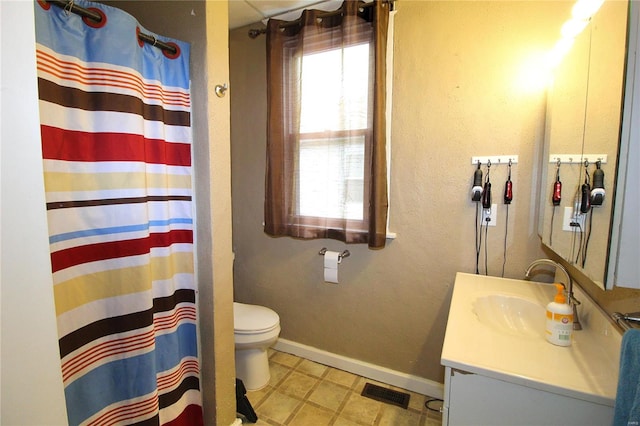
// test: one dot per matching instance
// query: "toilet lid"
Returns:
(253, 318)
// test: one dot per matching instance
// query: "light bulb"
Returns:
(585, 9)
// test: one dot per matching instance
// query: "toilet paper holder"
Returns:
(341, 256)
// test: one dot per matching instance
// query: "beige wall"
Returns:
(218, 305)
(454, 96)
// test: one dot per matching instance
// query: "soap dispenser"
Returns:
(559, 319)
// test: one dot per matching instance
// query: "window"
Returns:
(333, 127)
(326, 160)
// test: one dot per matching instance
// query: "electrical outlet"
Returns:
(570, 218)
(491, 214)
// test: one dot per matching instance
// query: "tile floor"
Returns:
(302, 392)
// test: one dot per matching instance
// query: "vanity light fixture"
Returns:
(581, 14)
(537, 73)
(585, 9)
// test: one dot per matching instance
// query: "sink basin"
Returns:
(510, 314)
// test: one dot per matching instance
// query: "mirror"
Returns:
(584, 108)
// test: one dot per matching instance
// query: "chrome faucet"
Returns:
(573, 302)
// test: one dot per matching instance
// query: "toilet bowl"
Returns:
(256, 328)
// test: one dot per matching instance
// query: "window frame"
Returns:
(294, 61)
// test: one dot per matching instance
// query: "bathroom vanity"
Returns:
(500, 370)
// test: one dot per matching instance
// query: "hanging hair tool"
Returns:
(585, 189)
(596, 198)
(476, 196)
(486, 206)
(597, 193)
(508, 197)
(476, 190)
(577, 224)
(508, 187)
(486, 192)
(581, 212)
(478, 245)
(557, 187)
(481, 196)
(556, 198)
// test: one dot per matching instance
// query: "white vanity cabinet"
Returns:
(500, 370)
(473, 399)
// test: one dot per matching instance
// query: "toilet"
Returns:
(256, 328)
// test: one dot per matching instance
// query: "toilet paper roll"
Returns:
(331, 261)
(331, 275)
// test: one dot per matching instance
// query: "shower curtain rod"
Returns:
(255, 32)
(70, 6)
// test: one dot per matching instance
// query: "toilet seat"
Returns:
(253, 319)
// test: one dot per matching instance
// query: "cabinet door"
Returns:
(479, 400)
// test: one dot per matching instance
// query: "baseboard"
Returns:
(364, 369)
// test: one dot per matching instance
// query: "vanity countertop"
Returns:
(587, 370)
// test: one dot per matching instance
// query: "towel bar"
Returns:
(625, 320)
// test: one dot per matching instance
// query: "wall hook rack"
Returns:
(494, 160)
(577, 158)
(341, 256)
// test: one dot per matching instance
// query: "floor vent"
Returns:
(389, 396)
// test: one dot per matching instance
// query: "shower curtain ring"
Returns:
(155, 40)
(68, 8)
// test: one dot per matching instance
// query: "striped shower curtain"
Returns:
(116, 145)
